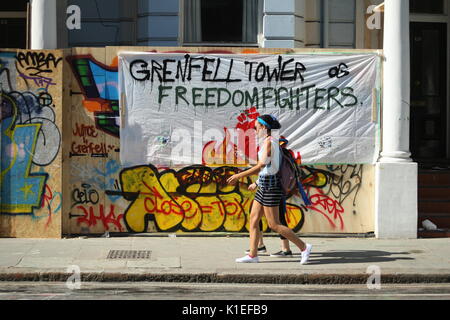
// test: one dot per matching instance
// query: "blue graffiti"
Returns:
(21, 191)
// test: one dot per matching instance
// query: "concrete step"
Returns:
(441, 233)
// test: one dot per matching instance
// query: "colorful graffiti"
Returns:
(193, 199)
(329, 188)
(30, 137)
(21, 190)
(34, 65)
(88, 217)
(197, 199)
(95, 178)
(99, 85)
(104, 196)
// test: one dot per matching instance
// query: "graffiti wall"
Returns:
(61, 171)
(31, 142)
(105, 195)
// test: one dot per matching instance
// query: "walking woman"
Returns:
(269, 193)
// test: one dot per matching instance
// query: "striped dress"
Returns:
(269, 191)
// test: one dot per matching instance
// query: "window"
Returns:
(13, 24)
(13, 33)
(16, 5)
(428, 6)
(221, 21)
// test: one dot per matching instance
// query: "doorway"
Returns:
(429, 110)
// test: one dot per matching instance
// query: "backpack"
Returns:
(290, 176)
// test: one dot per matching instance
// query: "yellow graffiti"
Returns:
(152, 199)
(192, 199)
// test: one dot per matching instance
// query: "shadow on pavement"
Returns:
(348, 256)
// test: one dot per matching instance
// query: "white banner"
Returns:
(184, 109)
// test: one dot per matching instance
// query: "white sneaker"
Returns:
(247, 259)
(305, 254)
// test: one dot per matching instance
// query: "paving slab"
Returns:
(173, 262)
(42, 263)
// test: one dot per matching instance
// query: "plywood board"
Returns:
(31, 204)
(343, 196)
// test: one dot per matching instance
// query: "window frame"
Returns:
(19, 15)
(256, 44)
(13, 14)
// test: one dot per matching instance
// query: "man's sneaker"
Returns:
(247, 259)
(305, 254)
(260, 250)
(282, 254)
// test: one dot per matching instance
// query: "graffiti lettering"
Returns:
(90, 148)
(283, 98)
(82, 130)
(347, 180)
(195, 199)
(339, 71)
(40, 81)
(87, 195)
(210, 68)
(328, 206)
(36, 63)
(86, 146)
(329, 189)
(262, 72)
(141, 70)
(90, 219)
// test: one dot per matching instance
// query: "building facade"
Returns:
(290, 24)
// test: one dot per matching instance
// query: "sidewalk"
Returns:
(212, 259)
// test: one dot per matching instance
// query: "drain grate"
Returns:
(129, 254)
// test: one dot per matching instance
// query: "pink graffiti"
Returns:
(47, 201)
(91, 219)
(331, 209)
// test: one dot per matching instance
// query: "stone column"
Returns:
(43, 24)
(396, 109)
(396, 174)
(158, 23)
(284, 24)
